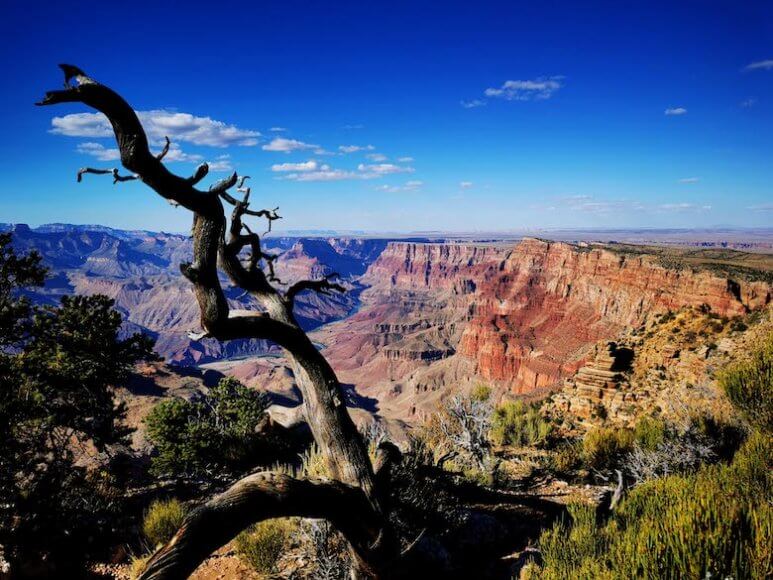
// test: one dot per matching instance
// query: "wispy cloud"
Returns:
(377, 157)
(762, 207)
(305, 172)
(384, 168)
(748, 103)
(405, 159)
(323, 173)
(472, 103)
(355, 148)
(278, 129)
(690, 180)
(98, 151)
(353, 127)
(412, 185)
(760, 65)
(519, 90)
(675, 111)
(465, 184)
(682, 207)
(181, 127)
(309, 165)
(285, 145)
(222, 163)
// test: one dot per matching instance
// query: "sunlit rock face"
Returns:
(437, 318)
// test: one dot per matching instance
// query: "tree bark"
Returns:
(354, 496)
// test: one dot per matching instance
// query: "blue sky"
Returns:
(405, 116)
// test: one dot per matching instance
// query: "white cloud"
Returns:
(377, 157)
(412, 185)
(287, 145)
(102, 153)
(683, 207)
(354, 127)
(749, 103)
(384, 168)
(761, 207)
(690, 180)
(158, 124)
(222, 163)
(674, 111)
(355, 148)
(307, 172)
(324, 173)
(309, 165)
(538, 89)
(465, 184)
(99, 151)
(760, 65)
(278, 129)
(589, 204)
(404, 159)
(472, 103)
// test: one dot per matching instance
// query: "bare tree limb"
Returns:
(165, 150)
(257, 497)
(114, 171)
(323, 286)
(201, 173)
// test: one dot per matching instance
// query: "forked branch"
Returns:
(323, 286)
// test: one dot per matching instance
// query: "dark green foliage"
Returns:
(16, 273)
(749, 386)
(58, 366)
(215, 433)
(72, 361)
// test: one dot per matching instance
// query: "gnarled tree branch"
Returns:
(323, 397)
(258, 497)
(323, 286)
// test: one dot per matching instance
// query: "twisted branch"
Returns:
(114, 171)
(323, 286)
(165, 150)
(323, 397)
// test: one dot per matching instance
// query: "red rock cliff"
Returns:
(526, 315)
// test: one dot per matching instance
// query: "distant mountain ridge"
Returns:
(140, 270)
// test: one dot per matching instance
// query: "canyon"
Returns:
(423, 318)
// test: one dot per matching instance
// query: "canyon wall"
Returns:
(438, 317)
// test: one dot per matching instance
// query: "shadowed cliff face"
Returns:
(140, 271)
(439, 317)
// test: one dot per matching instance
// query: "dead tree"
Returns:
(354, 501)
(365, 502)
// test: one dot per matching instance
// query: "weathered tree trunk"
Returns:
(353, 503)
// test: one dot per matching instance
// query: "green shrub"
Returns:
(162, 520)
(218, 431)
(262, 544)
(515, 423)
(137, 566)
(717, 522)
(481, 393)
(567, 457)
(749, 386)
(604, 448)
(649, 433)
